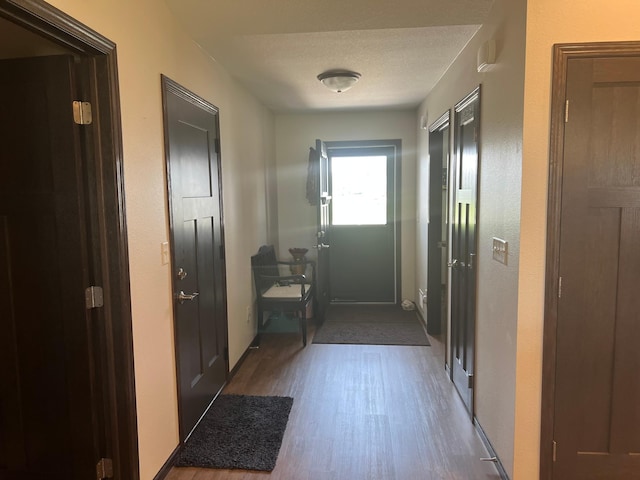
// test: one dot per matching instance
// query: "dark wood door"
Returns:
(437, 234)
(597, 377)
(323, 234)
(193, 164)
(48, 385)
(363, 266)
(464, 215)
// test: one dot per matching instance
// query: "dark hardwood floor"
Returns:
(360, 412)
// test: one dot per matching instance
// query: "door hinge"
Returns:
(475, 134)
(566, 111)
(94, 297)
(555, 450)
(469, 380)
(82, 113)
(559, 287)
(222, 252)
(226, 354)
(217, 143)
(104, 469)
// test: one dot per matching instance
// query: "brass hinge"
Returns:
(566, 111)
(469, 380)
(555, 450)
(104, 468)
(94, 297)
(82, 113)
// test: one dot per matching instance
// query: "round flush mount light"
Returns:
(339, 80)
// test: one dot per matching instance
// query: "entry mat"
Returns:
(371, 325)
(238, 432)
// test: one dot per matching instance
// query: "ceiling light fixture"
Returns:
(339, 80)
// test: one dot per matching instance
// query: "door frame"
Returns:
(396, 145)
(434, 272)
(562, 53)
(102, 152)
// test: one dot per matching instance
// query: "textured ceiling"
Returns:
(276, 48)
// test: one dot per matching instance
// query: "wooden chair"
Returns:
(281, 293)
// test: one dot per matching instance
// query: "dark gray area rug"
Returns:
(238, 432)
(371, 325)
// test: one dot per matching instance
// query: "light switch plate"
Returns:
(500, 250)
(164, 253)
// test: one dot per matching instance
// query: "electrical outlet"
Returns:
(423, 296)
(500, 250)
(249, 313)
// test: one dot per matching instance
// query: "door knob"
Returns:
(453, 264)
(321, 246)
(183, 296)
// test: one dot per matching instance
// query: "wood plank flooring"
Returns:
(360, 412)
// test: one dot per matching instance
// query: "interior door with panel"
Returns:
(596, 405)
(464, 216)
(50, 412)
(200, 312)
(438, 225)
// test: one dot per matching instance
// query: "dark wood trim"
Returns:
(562, 53)
(397, 147)
(168, 465)
(421, 318)
(492, 453)
(443, 121)
(434, 234)
(244, 356)
(39, 17)
(110, 250)
(177, 89)
(469, 98)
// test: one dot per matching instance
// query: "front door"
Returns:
(597, 373)
(200, 315)
(323, 234)
(49, 378)
(464, 215)
(364, 260)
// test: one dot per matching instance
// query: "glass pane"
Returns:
(359, 190)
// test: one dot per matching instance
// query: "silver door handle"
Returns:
(453, 264)
(183, 296)
(321, 246)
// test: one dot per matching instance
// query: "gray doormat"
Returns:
(371, 325)
(238, 432)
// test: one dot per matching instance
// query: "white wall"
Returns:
(295, 133)
(502, 91)
(150, 42)
(548, 22)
